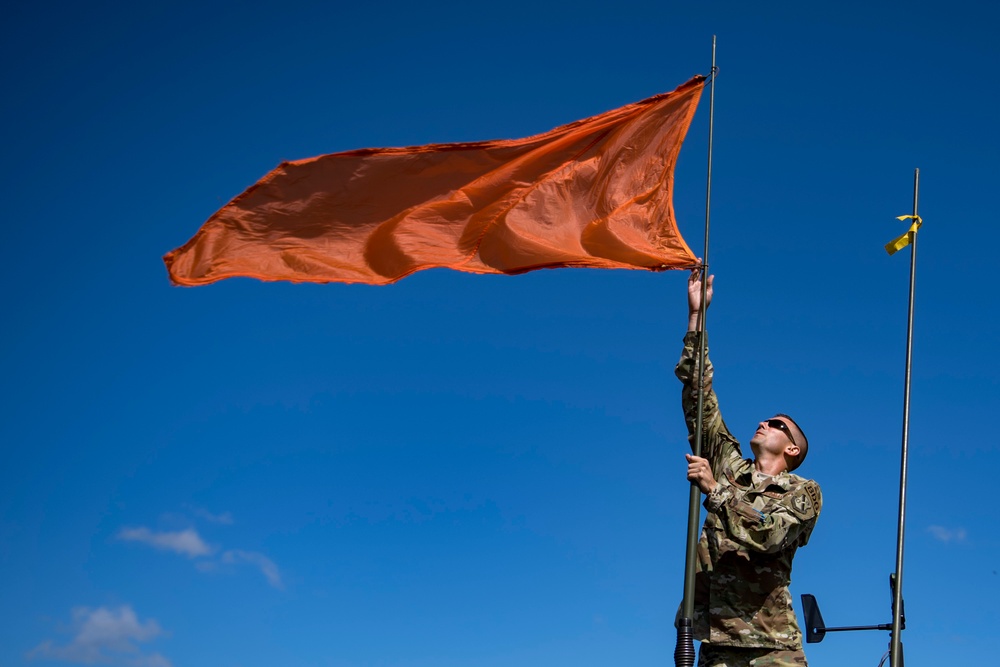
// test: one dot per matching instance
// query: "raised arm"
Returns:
(718, 444)
(694, 298)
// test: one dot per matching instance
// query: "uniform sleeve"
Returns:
(717, 444)
(784, 522)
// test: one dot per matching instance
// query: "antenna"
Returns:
(815, 628)
(684, 654)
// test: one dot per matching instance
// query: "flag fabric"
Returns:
(900, 242)
(593, 193)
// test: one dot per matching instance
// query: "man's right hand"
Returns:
(694, 297)
(700, 473)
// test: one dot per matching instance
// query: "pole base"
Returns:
(684, 655)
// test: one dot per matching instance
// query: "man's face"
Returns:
(774, 436)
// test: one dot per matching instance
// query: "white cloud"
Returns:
(186, 542)
(225, 518)
(105, 636)
(947, 534)
(189, 543)
(262, 562)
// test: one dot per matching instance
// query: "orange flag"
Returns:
(594, 193)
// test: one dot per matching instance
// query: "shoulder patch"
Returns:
(812, 488)
(799, 503)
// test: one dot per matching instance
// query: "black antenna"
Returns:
(896, 642)
(684, 655)
(815, 628)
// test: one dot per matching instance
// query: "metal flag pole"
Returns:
(684, 655)
(896, 643)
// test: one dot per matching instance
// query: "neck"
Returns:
(770, 466)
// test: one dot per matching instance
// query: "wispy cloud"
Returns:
(189, 543)
(259, 560)
(186, 542)
(225, 518)
(105, 636)
(947, 534)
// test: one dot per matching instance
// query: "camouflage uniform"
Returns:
(754, 525)
(727, 656)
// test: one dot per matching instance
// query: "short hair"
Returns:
(803, 446)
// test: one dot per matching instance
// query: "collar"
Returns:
(750, 477)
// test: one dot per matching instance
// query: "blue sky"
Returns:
(462, 470)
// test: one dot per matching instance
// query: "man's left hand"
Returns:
(700, 473)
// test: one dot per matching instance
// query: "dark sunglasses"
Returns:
(783, 427)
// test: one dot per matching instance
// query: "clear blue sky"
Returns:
(481, 471)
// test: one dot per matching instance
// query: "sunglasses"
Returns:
(783, 427)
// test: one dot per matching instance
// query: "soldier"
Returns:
(759, 513)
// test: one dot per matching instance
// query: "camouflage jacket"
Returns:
(754, 525)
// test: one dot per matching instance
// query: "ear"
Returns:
(792, 450)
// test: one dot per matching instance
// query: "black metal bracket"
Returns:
(816, 628)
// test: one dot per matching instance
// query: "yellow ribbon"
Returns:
(901, 242)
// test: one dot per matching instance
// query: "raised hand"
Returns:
(694, 297)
